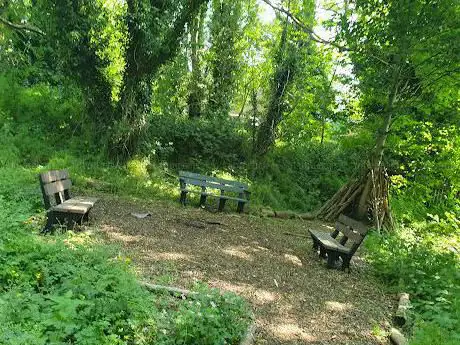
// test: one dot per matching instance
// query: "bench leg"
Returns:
(240, 207)
(183, 197)
(346, 263)
(85, 217)
(315, 243)
(50, 221)
(331, 258)
(322, 252)
(222, 204)
(72, 220)
(202, 200)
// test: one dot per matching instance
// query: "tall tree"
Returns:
(196, 87)
(292, 47)
(225, 54)
(68, 39)
(154, 33)
(403, 57)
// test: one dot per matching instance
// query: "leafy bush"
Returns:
(220, 317)
(299, 178)
(42, 118)
(424, 263)
(199, 142)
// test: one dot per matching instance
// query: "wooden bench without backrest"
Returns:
(239, 191)
(60, 206)
(334, 246)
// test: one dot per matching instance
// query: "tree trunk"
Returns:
(225, 30)
(377, 154)
(255, 113)
(195, 97)
(281, 79)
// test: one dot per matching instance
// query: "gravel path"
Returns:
(296, 299)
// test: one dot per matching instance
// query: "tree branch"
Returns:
(21, 27)
(304, 27)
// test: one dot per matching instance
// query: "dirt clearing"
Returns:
(295, 298)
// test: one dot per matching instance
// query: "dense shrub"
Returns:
(41, 118)
(425, 263)
(200, 142)
(300, 178)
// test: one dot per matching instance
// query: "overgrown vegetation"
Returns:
(125, 94)
(72, 289)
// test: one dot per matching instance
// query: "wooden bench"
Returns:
(208, 186)
(352, 233)
(60, 206)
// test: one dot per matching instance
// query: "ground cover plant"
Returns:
(70, 288)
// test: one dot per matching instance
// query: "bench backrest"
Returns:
(353, 232)
(55, 185)
(204, 182)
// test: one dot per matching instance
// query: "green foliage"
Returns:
(220, 316)
(71, 289)
(225, 55)
(197, 143)
(300, 178)
(425, 263)
(424, 162)
(39, 119)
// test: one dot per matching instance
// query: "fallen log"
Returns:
(397, 337)
(266, 212)
(403, 306)
(307, 215)
(285, 214)
(175, 291)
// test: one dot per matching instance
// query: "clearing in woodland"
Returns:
(295, 298)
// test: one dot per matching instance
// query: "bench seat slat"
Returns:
(352, 236)
(200, 183)
(54, 175)
(354, 224)
(186, 174)
(79, 205)
(329, 242)
(210, 186)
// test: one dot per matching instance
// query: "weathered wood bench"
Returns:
(208, 186)
(61, 207)
(334, 247)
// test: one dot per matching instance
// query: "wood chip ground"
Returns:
(295, 298)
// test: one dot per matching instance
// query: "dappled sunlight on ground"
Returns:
(253, 294)
(157, 256)
(290, 331)
(116, 234)
(293, 259)
(295, 299)
(337, 306)
(238, 251)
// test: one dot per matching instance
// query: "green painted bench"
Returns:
(209, 186)
(61, 207)
(332, 246)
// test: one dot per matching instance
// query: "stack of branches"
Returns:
(379, 199)
(360, 198)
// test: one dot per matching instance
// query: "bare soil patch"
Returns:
(295, 298)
